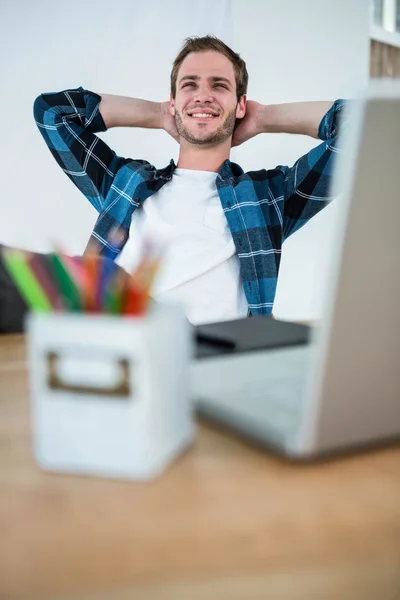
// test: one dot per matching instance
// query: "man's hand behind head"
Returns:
(250, 125)
(168, 121)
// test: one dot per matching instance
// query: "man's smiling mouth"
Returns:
(202, 116)
(199, 114)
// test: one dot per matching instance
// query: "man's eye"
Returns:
(191, 83)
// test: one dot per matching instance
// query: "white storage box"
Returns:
(110, 395)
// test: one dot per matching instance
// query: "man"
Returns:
(225, 227)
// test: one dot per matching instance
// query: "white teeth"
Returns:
(202, 115)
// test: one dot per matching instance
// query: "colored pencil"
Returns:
(30, 289)
(68, 287)
(40, 269)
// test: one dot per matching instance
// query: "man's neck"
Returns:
(203, 158)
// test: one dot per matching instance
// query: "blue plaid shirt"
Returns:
(262, 208)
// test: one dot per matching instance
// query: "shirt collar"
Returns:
(227, 170)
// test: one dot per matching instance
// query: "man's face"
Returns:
(205, 105)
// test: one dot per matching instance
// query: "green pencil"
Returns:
(25, 280)
(66, 284)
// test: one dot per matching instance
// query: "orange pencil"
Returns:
(135, 299)
(91, 265)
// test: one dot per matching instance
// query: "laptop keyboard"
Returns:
(278, 403)
(261, 396)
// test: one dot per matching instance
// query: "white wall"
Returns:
(294, 50)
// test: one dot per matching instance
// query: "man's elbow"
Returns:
(39, 108)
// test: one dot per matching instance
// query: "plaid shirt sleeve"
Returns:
(308, 183)
(68, 122)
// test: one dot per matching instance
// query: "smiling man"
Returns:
(205, 104)
(225, 227)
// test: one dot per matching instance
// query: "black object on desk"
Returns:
(13, 307)
(246, 335)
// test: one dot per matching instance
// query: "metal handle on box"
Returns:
(54, 381)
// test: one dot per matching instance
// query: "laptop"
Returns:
(338, 387)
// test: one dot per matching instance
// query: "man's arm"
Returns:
(122, 111)
(307, 185)
(304, 189)
(69, 121)
(296, 117)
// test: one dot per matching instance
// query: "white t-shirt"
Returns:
(200, 269)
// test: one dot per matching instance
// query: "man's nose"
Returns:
(204, 94)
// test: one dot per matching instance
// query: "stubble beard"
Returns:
(220, 135)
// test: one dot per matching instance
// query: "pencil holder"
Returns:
(110, 394)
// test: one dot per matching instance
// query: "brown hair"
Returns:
(212, 43)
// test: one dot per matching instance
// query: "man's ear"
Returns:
(171, 105)
(241, 107)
